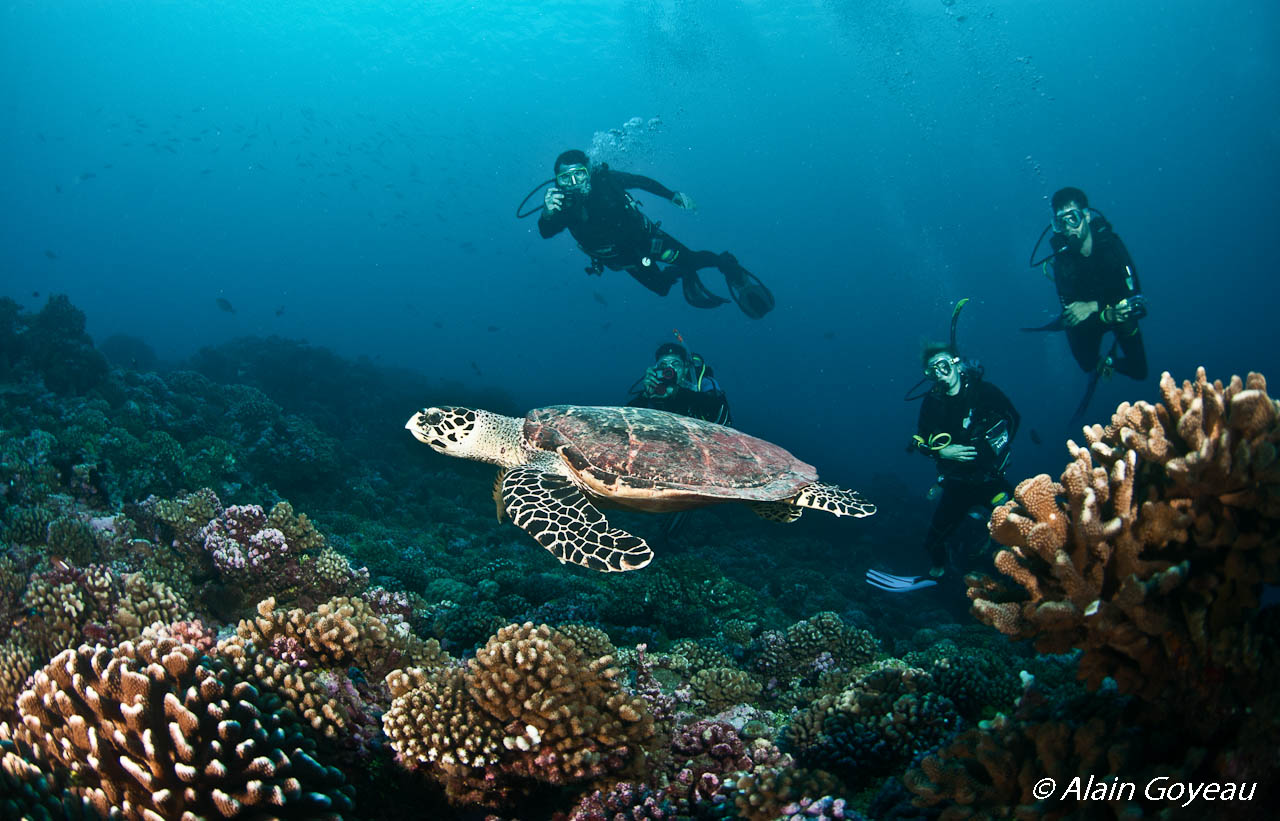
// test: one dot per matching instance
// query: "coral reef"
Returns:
(154, 730)
(874, 726)
(528, 708)
(1153, 561)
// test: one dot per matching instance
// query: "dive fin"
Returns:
(1093, 384)
(696, 294)
(751, 295)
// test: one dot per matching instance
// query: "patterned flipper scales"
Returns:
(552, 510)
(834, 500)
(783, 512)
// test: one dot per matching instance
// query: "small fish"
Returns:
(280, 311)
(1035, 437)
(604, 326)
(829, 335)
(224, 305)
(35, 294)
(599, 298)
(86, 175)
(50, 254)
(476, 368)
(493, 328)
(438, 324)
(57, 188)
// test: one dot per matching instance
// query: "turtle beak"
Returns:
(415, 425)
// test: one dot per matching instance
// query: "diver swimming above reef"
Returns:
(609, 226)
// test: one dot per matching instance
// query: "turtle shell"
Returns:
(654, 460)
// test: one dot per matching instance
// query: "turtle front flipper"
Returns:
(551, 509)
(835, 500)
(784, 512)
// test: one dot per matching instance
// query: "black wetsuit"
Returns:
(1107, 275)
(616, 235)
(981, 416)
(709, 406)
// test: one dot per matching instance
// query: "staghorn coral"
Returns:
(529, 708)
(153, 730)
(1150, 553)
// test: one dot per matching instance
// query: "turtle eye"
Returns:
(434, 418)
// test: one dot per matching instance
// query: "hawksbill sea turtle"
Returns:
(559, 462)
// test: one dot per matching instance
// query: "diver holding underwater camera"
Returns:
(593, 204)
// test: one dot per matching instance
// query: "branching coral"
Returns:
(991, 771)
(877, 724)
(339, 633)
(529, 708)
(1151, 552)
(154, 731)
(793, 661)
(277, 553)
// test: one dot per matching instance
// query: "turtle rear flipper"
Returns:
(784, 512)
(834, 500)
(551, 509)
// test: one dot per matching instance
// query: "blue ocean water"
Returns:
(347, 173)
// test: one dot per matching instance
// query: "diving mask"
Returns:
(941, 367)
(573, 176)
(1071, 218)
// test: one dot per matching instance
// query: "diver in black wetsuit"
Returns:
(967, 426)
(1098, 287)
(681, 383)
(596, 208)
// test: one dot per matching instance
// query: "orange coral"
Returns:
(1151, 552)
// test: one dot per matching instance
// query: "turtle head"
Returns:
(469, 434)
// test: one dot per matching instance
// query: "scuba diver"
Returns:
(683, 383)
(1098, 288)
(680, 382)
(966, 426)
(610, 228)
